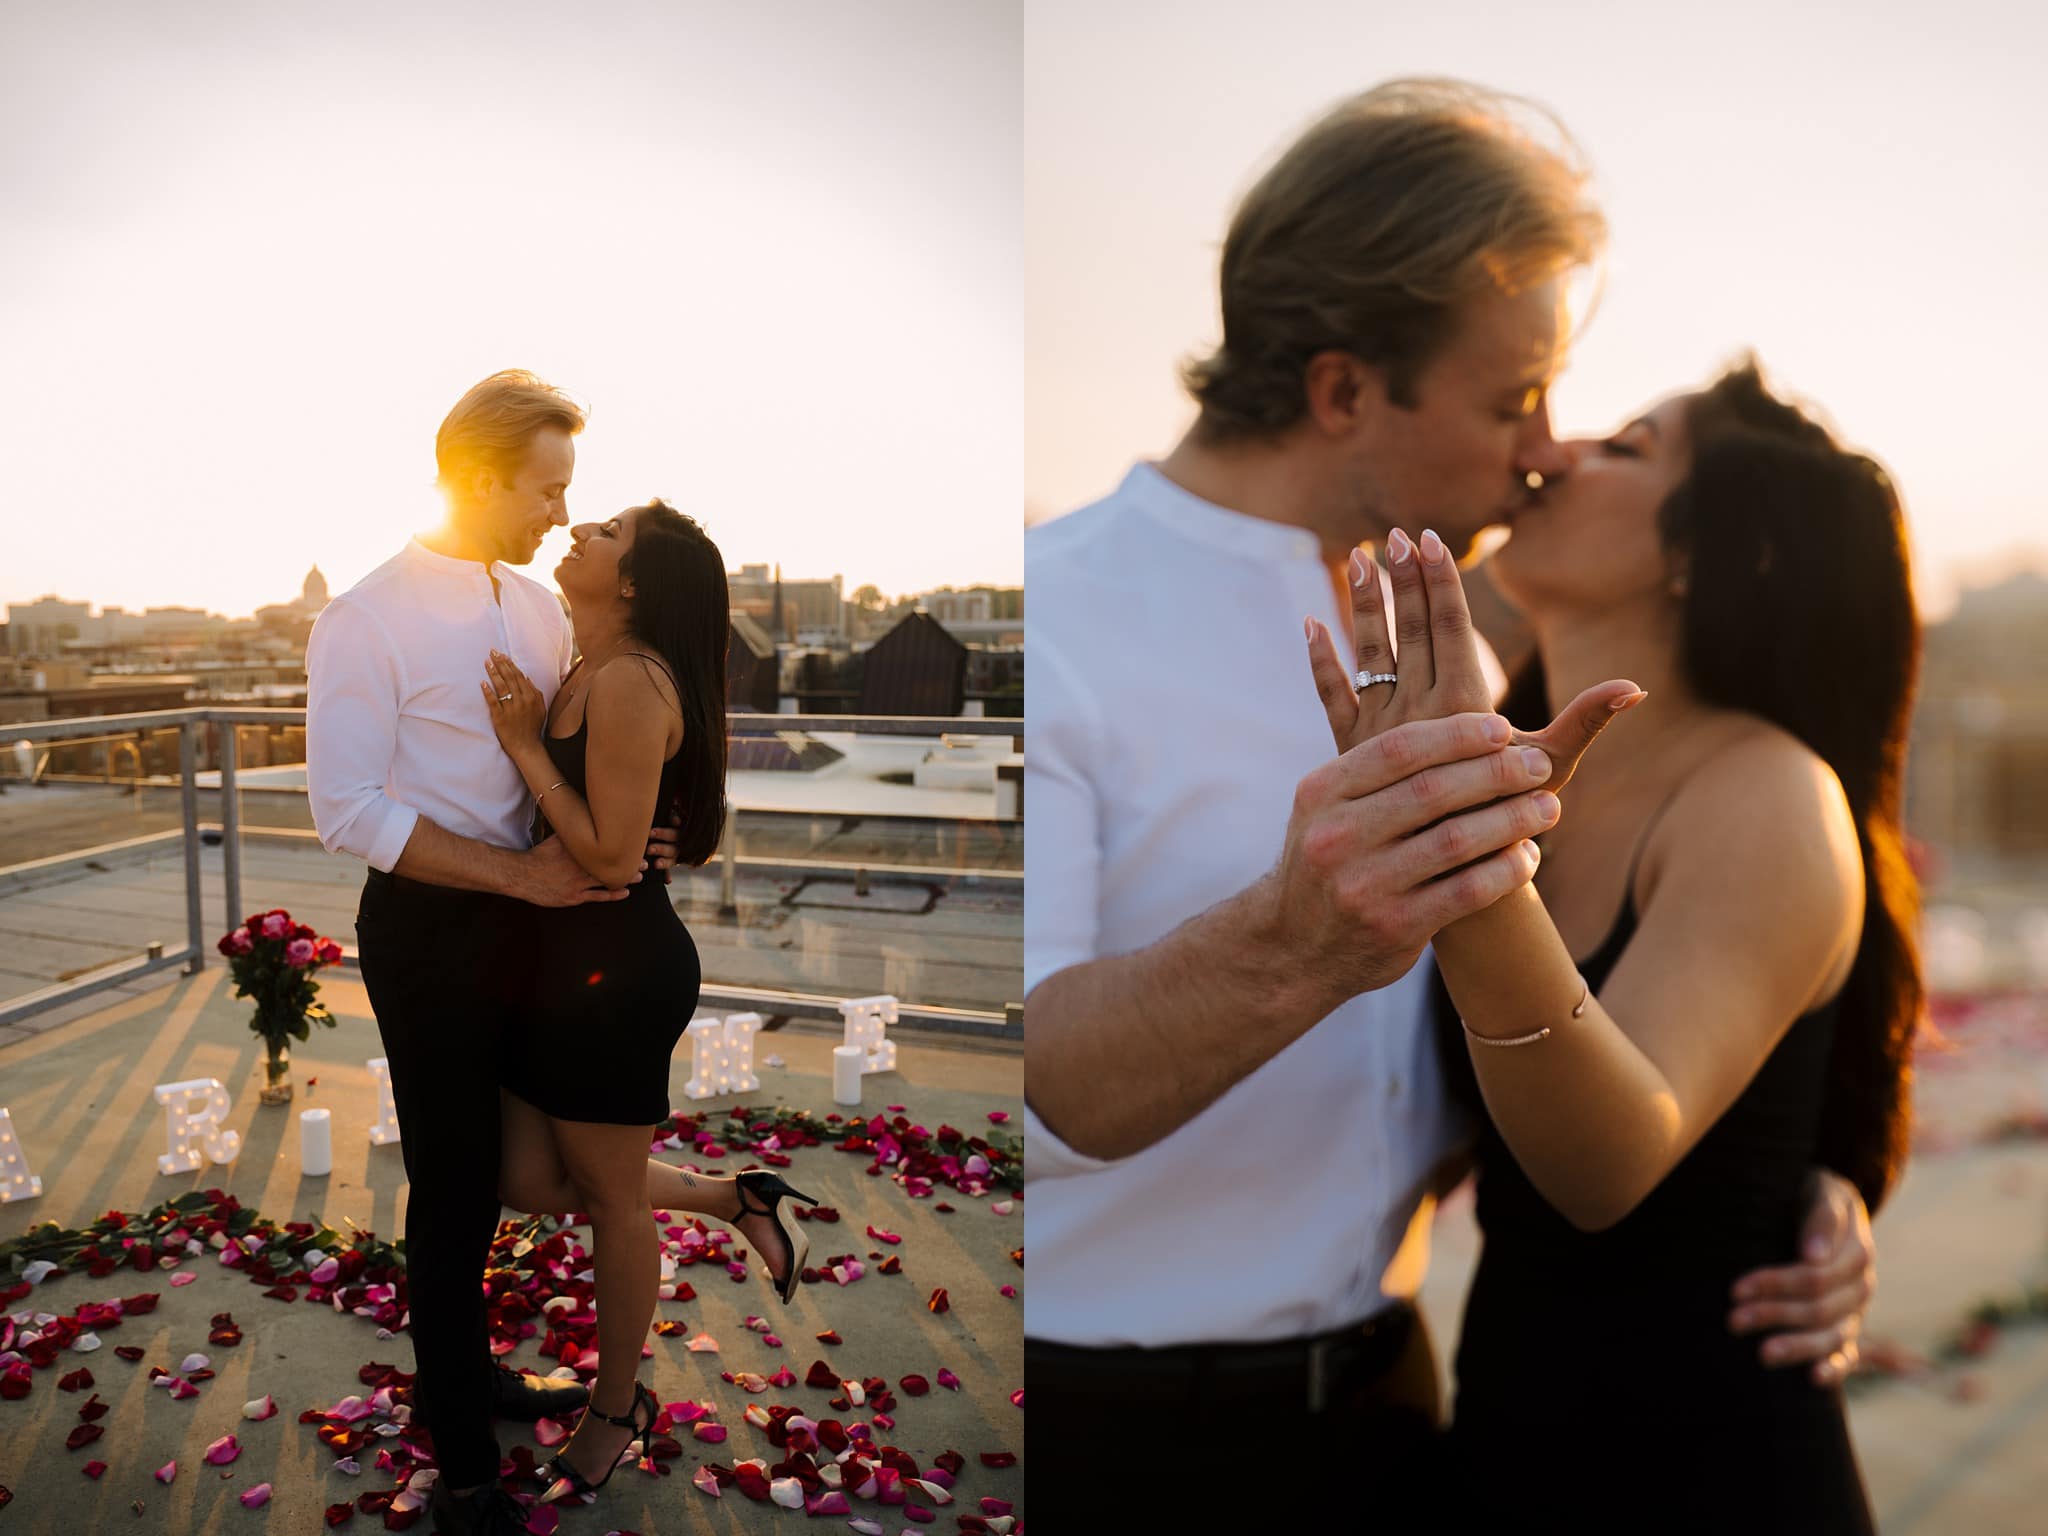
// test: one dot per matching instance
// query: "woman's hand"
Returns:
(517, 709)
(1439, 672)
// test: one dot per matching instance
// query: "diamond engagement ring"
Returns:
(504, 698)
(1364, 680)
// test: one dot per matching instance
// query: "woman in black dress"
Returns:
(598, 995)
(1711, 987)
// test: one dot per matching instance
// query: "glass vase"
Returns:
(277, 1073)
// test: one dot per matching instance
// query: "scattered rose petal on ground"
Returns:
(915, 1386)
(702, 1344)
(710, 1434)
(166, 1472)
(1017, 1398)
(257, 1497)
(223, 1451)
(940, 1301)
(707, 1480)
(193, 1363)
(93, 1469)
(82, 1435)
(185, 1277)
(549, 1432)
(1003, 1207)
(75, 1381)
(264, 1407)
(948, 1380)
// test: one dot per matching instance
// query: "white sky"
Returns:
(250, 254)
(1860, 192)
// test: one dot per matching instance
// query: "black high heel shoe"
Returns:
(758, 1181)
(562, 1479)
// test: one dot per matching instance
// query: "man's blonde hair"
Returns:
(492, 425)
(1371, 229)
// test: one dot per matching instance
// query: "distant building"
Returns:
(988, 615)
(915, 669)
(45, 625)
(752, 685)
(807, 612)
(1977, 779)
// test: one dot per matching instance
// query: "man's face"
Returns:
(1458, 461)
(516, 514)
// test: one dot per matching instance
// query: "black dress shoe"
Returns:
(489, 1511)
(525, 1396)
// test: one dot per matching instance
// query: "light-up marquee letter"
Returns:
(722, 1055)
(385, 1130)
(194, 1112)
(866, 1018)
(16, 1182)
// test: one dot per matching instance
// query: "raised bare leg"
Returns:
(607, 1165)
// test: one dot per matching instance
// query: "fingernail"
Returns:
(1535, 853)
(1816, 1248)
(1546, 805)
(1399, 550)
(1498, 730)
(1432, 547)
(1357, 569)
(1628, 701)
(1308, 630)
(1537, 761)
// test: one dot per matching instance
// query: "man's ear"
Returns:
(1344, 392)
(482, 481)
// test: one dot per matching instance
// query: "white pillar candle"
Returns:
(847, 1062)
(316, 1143)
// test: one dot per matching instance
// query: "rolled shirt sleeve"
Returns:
(354, 685)
(1063, 851)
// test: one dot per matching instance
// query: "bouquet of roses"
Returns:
(273, 960)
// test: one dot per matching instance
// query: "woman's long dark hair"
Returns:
(680, 609)
(1799, 609)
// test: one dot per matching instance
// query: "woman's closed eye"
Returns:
(1620, 447)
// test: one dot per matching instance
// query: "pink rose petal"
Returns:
(702, 1478)
(167, 1471)
(710, 1434)
(223, 1451)
(183, 1277)
(703, 1344)
(549, 1432)
(257, 1497)
(948, 1380)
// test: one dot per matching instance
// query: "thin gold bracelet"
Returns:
(1585, 996)
(549, 790)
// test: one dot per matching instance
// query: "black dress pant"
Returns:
(1115, 1433)
(427, 960)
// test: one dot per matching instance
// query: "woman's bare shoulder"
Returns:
(1761, 794)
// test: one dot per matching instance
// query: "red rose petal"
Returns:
(93, 1469)
(830, 1336)
(998, 1458)
(939, 1302)
(82, 1435)
(915, 1386)
(93, 1409)
(129, 1352)
(75, 1381)
(340, 1514)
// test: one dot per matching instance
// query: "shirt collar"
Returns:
(1235, 533)
(434, 560)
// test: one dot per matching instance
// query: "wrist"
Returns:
(1281, 979)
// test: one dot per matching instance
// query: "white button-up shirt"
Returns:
(396, 724)
(1172, 714)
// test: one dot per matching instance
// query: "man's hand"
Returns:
(1440, 672)
(551, 877)
(1385, 847)
(1814, 1309)
(661, 847)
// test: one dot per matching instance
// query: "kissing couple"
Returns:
(512, 764)
(1319, 922)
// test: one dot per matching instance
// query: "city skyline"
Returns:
(538, 568)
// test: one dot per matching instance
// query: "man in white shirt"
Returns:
(404, 770)
(1234, 1105)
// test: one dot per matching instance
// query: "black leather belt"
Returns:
(1313, 1370)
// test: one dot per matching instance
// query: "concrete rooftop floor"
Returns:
(80, 1093)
